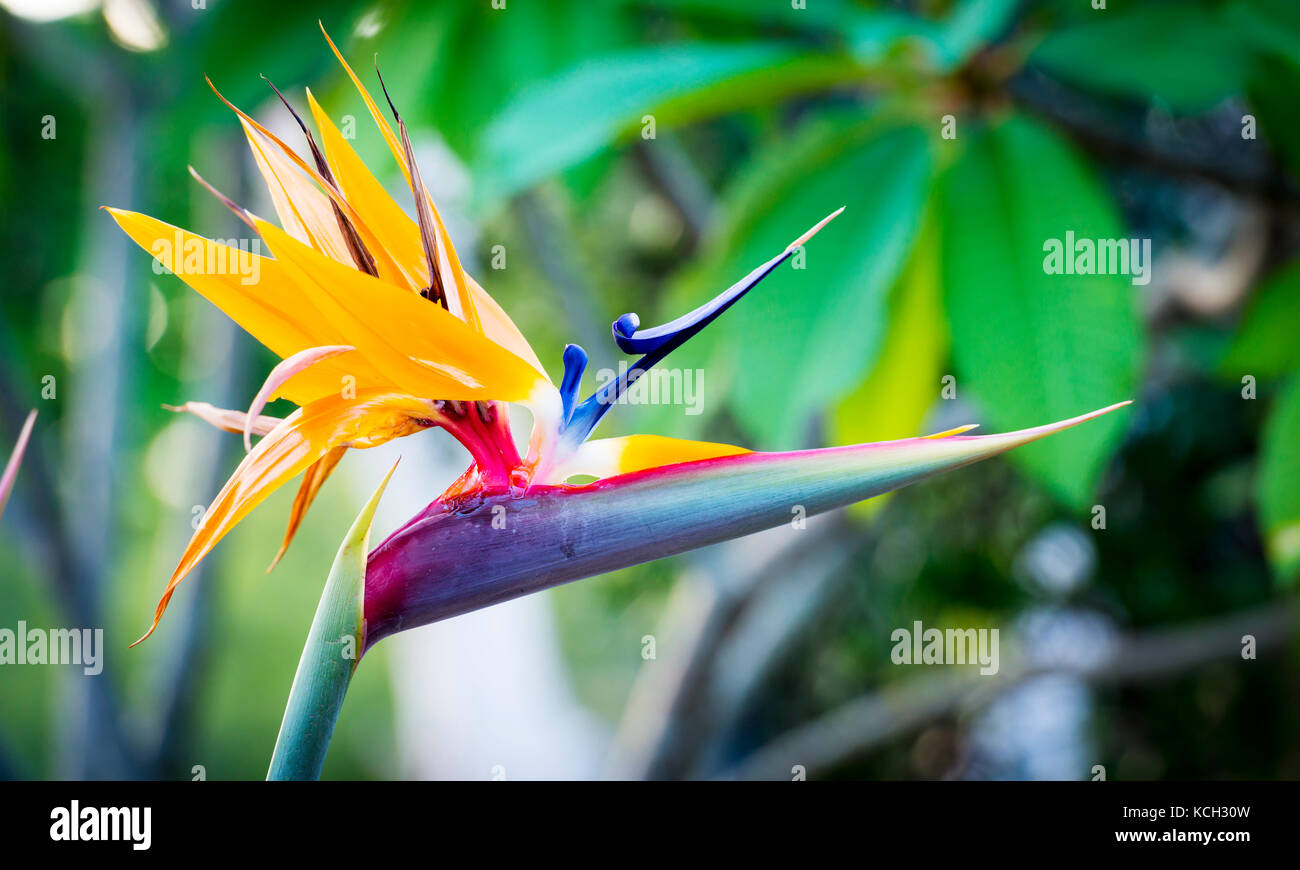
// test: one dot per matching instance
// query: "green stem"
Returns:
(328, 659)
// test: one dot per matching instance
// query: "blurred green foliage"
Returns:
(1028, 344)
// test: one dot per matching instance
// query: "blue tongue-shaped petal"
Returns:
(632, 339)
(575, 363)
(657, 342)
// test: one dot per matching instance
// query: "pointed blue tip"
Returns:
(657, 342)
(632, 339)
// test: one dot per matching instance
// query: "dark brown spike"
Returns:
(424, 217)
(357, 248)
(360, 255)
(229, 203)
(396, 116)
(322, 165)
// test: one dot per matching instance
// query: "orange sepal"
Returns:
(303, 438)
(312, 480)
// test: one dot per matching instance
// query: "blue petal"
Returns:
(658, 341)
(575, 363)
(632, 339)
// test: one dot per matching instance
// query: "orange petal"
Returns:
(948, 433)
(312, 480)
(383, 213)
(387, 269)
(450, 273)
(299, 362)
(447, 257)
(303, 438)
(607, 457)
(305, 212)
(379, 211)
(229, 421)
(273, 308)
(394, 144)
(400, 235)
(420, 346)
(449, 264)
(498, 326)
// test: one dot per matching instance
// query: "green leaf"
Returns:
(892, 401)
(876, 35)
(1180, 53)
(1278, 484)
(818, 15)
(433, 58)
(1271, 90)
(1273, 29)
(329, 658)
(804, 337)
(1269, 25)
(970, 26)
(1265, 343)
(525, 44)
(286, 43)
(1032, 345)
(559, 122)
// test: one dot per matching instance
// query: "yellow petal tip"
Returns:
(947, 433)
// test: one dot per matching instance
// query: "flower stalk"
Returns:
(329, 657)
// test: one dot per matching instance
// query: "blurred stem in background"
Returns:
(103, 379)
(668, 168)
(554, 255)
(868, 722)
(208, 334)
(678, 714)
(100, 382)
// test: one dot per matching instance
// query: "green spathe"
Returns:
(328, 658)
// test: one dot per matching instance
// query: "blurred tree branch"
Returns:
(94, 739)
(669, 169)
(872, 720)
(678, 711)
(1110, 136)
(177, 710)
(37, 488)
(555, 259)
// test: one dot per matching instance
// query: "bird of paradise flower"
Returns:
(382, 334)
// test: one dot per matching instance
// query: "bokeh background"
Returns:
(641, 156)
